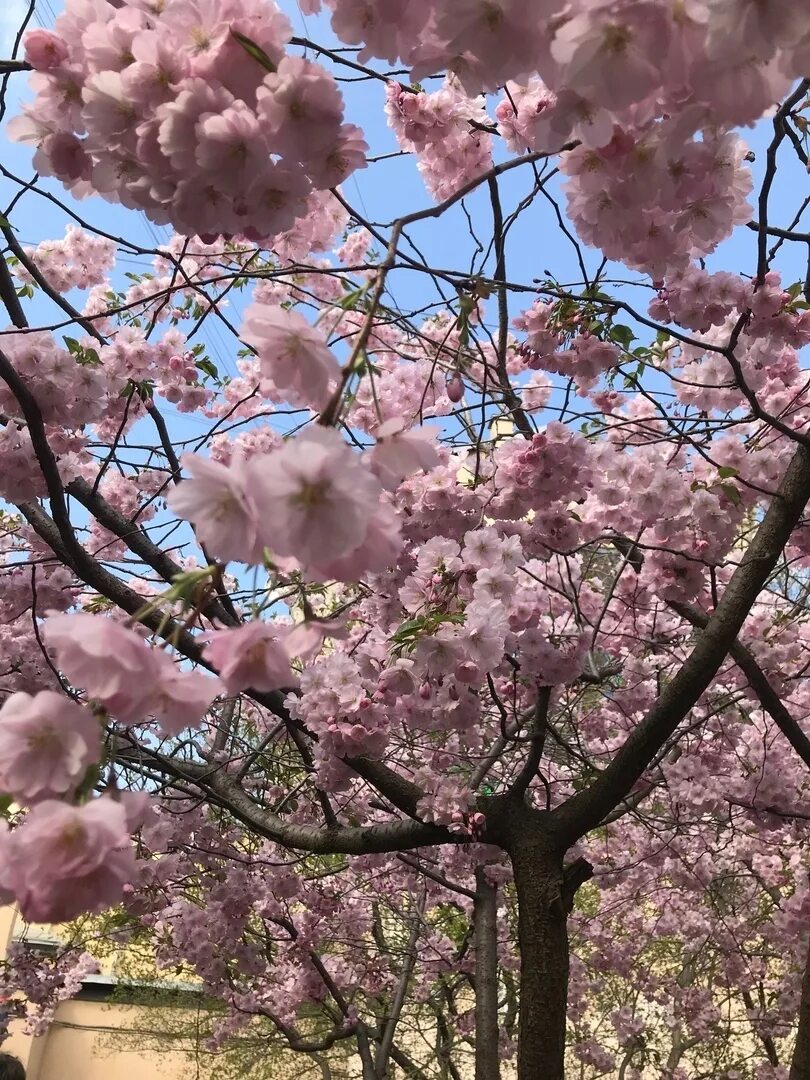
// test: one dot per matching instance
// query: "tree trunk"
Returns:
(485, 917)
(543, 939)
(800, 1066)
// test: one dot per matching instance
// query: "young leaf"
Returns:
(254, 50)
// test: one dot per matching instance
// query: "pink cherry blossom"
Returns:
(315, 498)
(379, 549)
(400, 451)
(44, 50)
(178, 119)
(302, 109)
(218, 502)
(112, 663)
(47, 743)
(292, 352)
(253, 655)
(65, 860)
(591, 46)
(180, 699)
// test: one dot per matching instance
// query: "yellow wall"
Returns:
(79, 1046)
(100, 1040)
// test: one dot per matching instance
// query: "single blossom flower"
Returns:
(216, 500)
(64, 861)
(47, 743)
(291, 351)
(180, 699)
(315, 497)
(253, 655)
(379, 549)
(44, 50)
(112, 663)
(401, 451)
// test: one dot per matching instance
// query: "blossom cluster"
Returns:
(193, 113)
(311, 503)
(448, 132)
(79, 261)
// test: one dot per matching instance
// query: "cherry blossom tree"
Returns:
(439, 634)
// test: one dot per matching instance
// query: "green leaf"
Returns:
(408, 629)
(89, 358)
(208, 367)
(88, 783)
(254, 50)
(622, 335)
(72, 345)
(349, 301)
(725, 472)
(731, 493)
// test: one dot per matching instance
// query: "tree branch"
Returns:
(584, 810)
(758, 681)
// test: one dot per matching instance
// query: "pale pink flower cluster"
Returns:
(21, 477)
(532, 475)
(599, 57)
(165, 110)
(336, 703)
(67, 391)
(311, 503)
(133, 682)
(446, 801)
(64, 861)
(656, 202)
(354, 249)
(698, 300)
(79, 261)
(440, 128)
(531, 117)
(543, 334)
(410, 389)
(584, 361)
(526, 116)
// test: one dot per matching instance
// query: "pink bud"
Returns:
(455, 387)
(44, 50)
(467, 672)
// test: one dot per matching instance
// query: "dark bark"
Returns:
(485, 917)
(545, 892)
(543, 940)
(800, 1066)
(386, 1043)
